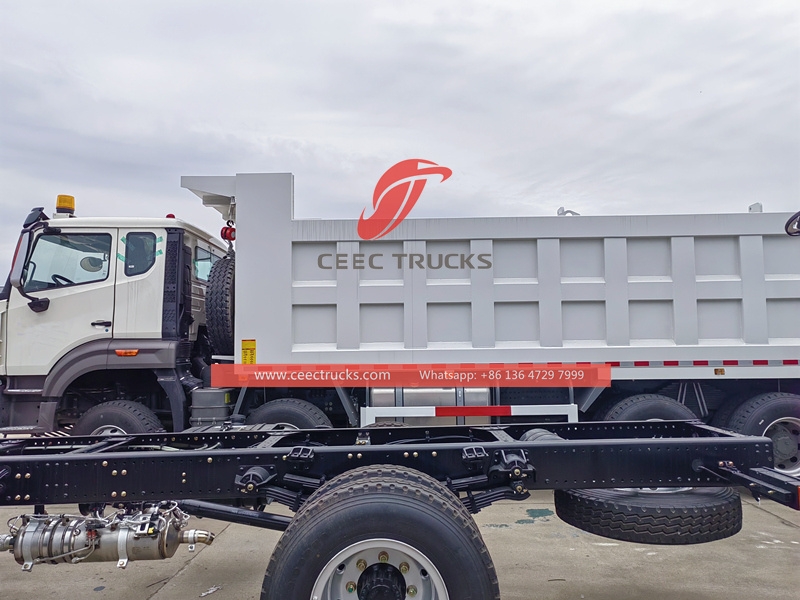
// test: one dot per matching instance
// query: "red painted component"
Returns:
(228, 234)
(473, 411)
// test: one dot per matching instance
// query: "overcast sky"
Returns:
(605, 108)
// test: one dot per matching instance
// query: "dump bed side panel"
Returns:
(520, 289)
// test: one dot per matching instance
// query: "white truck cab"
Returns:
(102, 309)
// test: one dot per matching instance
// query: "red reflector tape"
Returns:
(700, 363)
(761, 363)
(473, 411)
(791, 362)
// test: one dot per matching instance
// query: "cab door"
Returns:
(75, 269)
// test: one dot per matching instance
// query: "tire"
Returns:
(117, 417)
(220, 303)
(648, 406)
(402, 475)
(777, 416)
(299, 413)
(690, 517)
(722, 416)
(366, 512)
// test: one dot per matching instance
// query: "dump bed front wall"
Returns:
(532, 289)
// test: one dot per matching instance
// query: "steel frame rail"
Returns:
(251, 466)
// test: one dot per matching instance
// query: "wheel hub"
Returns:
(785, 436)
(381, 582)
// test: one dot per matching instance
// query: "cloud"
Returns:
(621, 107)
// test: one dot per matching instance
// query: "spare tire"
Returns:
(220, 305)
(653, 516)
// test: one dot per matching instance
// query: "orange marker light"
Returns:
(126, 352)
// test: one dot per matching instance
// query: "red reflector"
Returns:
(126, 352)
(761, 362)
(473, 411)
(641, 363)
(671, 363)
(791, 361)
(730, 363)
(170, 216)
(700, 363)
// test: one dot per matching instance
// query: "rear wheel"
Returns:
(643, 407)
(722, 416)
(378, 533)
(777, 416)
(117, 417)
(292, 411)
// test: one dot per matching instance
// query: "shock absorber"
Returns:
(152, 533)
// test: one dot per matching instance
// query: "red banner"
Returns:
(391, 375)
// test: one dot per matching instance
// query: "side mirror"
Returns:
(20, 254)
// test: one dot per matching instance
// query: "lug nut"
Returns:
(383, 557)
(361, 564)
(404, 568)
(411, 591)
(351, 587)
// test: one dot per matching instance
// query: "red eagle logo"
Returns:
(395, 195)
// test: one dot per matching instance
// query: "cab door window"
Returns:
(67, 259)
(140, 252)
(203, 261)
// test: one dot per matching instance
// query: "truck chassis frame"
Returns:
(251, 466)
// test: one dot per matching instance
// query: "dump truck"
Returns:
(384, 510)
(116, 324)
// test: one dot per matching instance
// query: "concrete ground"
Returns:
(536, 556)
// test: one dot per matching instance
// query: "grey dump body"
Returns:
(680, 289)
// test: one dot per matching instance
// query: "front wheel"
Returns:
(116, 418)
(380, 535)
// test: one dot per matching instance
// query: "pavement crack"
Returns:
(194, 555)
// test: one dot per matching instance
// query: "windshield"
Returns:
(66, 259)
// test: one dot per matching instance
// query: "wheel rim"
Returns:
(785, 436)
(109, 430)
(352, 573)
